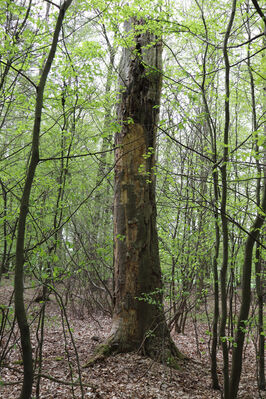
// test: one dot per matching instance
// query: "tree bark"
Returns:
(20, 311)
(138, 319)
(255, 231)
(223, 272)
(258, 258)
(3, 264)
(246, 297)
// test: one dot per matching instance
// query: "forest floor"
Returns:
(120, 376)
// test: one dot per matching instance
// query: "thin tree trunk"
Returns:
(24, 207)
(259, 290)
(212, 131)
(99, 217)
(215, 381)
(247, 270)
(224, 268)
(246, 296)
(3, 264)
(258, 258)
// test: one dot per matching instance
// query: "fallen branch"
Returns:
(58, 381)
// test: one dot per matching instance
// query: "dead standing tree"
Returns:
(138, 318)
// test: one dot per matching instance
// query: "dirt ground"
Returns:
(123, 376)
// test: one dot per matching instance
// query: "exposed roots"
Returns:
(108, 348)
(161, 350)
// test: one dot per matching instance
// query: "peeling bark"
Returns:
(138, 319)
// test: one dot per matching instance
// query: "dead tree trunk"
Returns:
(138, 319)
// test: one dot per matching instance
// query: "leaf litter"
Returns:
(121, 376)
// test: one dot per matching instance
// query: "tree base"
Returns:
(162, 351)
(101, 352)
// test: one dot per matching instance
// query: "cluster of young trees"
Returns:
(185, 109)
